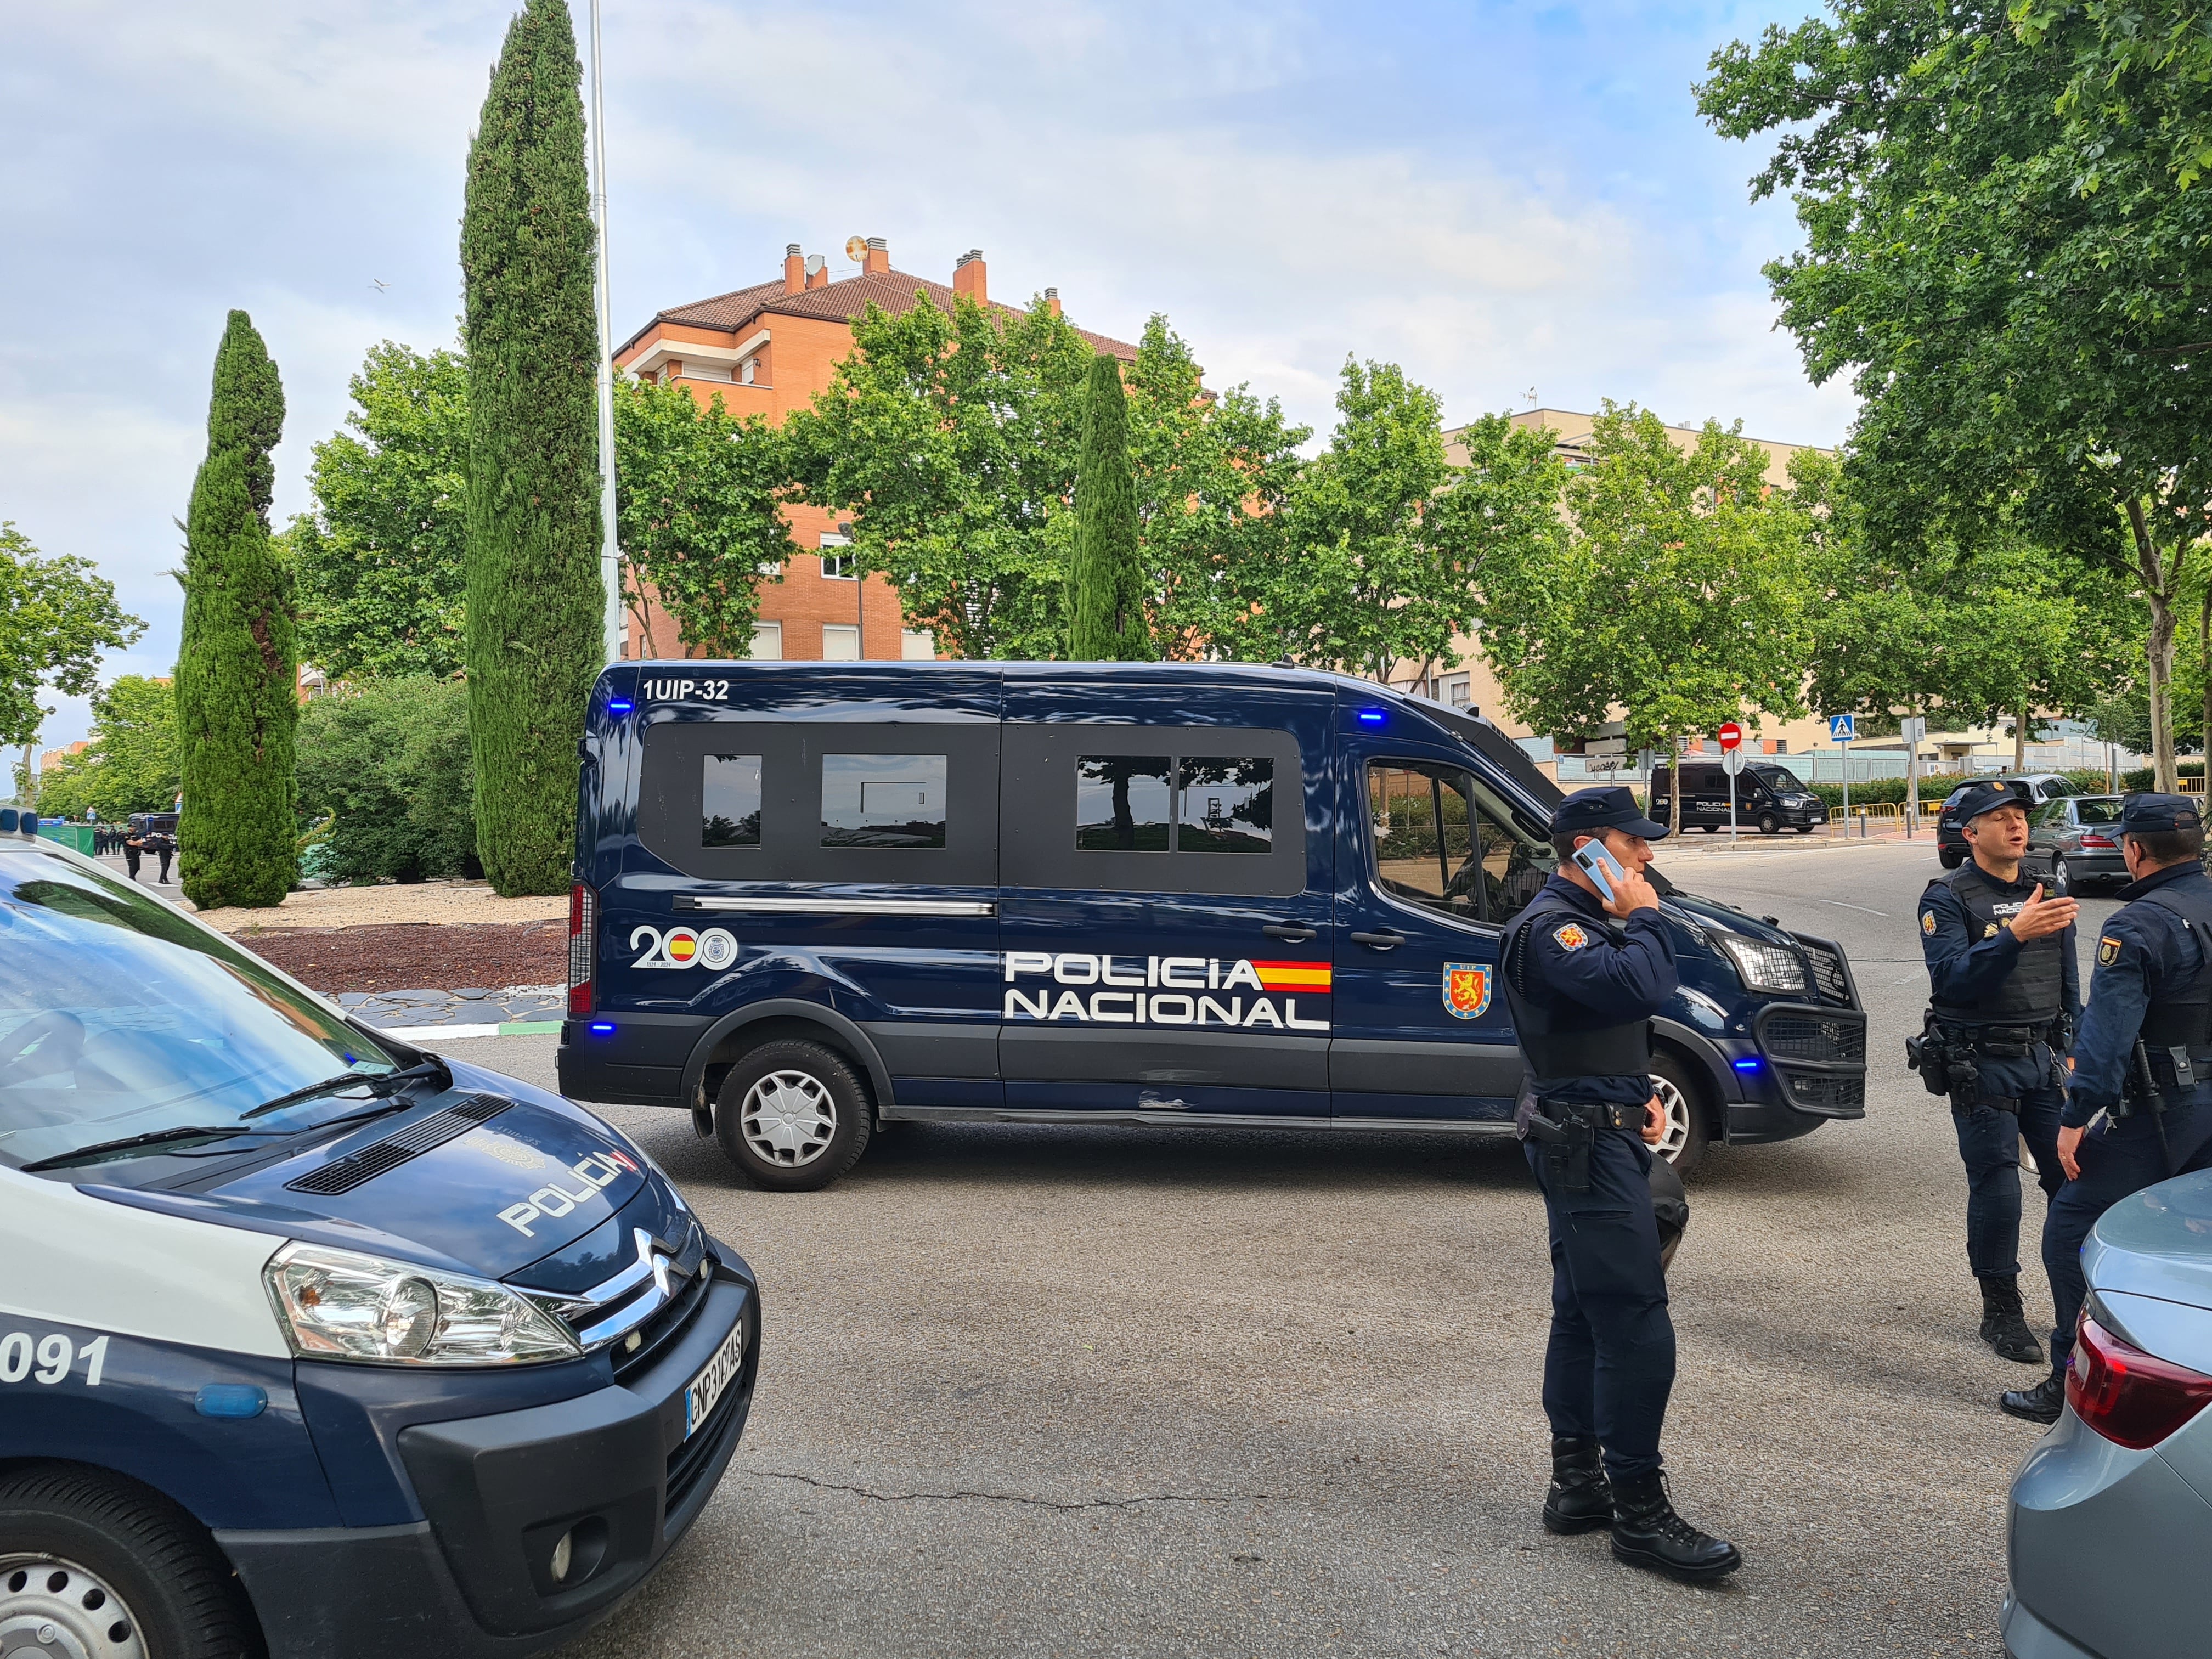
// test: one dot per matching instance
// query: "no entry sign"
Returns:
(1731, 735)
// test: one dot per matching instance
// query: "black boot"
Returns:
(2004, 1322)
(1647, 1533)
(1581, 1499)
(2040, 1404)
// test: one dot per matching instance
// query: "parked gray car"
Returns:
(2082, 833)
(2111, 1520)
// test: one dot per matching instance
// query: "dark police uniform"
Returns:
(2005, 1011)
(1582, 988)
(2152, 981)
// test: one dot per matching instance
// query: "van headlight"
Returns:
(337, 1304)
(1764, 967)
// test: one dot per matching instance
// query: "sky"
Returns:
(1508, 200)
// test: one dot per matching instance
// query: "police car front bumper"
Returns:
(613, 1470)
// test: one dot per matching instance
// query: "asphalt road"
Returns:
(1031, 1391)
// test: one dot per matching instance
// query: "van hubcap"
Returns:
(789, 1118)
(1677, 1135)
(54, 1609)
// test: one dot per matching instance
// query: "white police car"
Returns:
(310, 1342)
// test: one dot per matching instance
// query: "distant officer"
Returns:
(2007, 995)
(1583, 991)
(2143, 1059)
(134, 846)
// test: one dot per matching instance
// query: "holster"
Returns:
(1566, 1146)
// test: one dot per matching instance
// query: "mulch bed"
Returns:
(419, 956)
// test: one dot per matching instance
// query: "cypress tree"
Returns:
(237, 696)
(1106, 581)
(533, 644)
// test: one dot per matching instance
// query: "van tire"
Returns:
(1692, 1125)
(1769, 824)
(150, 1565)
(794, 1078)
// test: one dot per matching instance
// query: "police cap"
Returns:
(1611, 806)
(1981, 797)
(2155, 815)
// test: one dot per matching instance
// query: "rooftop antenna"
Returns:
(856, 249)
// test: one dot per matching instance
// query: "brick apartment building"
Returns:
(769, 349)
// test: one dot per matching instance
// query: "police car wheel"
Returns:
(92, 1567)
(793, 1116)
(1688, 1131)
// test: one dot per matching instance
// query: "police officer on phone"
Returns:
(2006, 994)
(1583, 974)
(2143, 1062)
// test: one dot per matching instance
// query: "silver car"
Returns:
(2082, 833)
(2111, 1520)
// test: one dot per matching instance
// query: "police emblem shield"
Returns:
(2108, 950)
(1467, 989)
(1571, 936)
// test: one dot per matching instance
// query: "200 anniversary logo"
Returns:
(1165, 990)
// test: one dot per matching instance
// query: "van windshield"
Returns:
(118, 1017)
(1779, 779)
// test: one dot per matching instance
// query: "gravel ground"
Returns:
(387, 903)
(1038, 1391)
(420, 956)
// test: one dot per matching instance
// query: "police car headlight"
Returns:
(1764, 967)
(336, 1304)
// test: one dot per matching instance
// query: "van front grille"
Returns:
(1806, 1036)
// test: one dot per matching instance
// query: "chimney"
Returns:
(879, 257)
(794, 268)
(817, 270)
(967, 277)
(1052, 301)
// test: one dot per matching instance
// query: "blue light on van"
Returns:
(232, 1399)
(619, 706)
(1371, 717)
(601, 1028)
(1746, 1064)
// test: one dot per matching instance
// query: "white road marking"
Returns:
(1840, 905)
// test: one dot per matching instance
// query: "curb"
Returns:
(454, 1033)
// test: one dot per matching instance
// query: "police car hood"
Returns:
(512, 1175)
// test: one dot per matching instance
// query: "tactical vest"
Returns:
(1570, 1040)
(2181, 1018)
(2033, 992)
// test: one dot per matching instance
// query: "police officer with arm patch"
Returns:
(2006, 996)
(1583, 976)
(2142, 1061)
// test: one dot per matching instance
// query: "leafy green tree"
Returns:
(2000, 250)
(379, 563)
(700, 514)
(56, 617)
(386, 761)
(237, 684)
(131, 764)
(533, 641)
(949, 442)
(1106, 580)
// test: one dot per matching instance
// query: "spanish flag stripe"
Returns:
(1292, 976)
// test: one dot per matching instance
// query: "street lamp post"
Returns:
(610, 553)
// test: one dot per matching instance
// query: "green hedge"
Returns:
(387, 763)
(2146, 777)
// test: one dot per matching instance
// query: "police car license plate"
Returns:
(714, 1377)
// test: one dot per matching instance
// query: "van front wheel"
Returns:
(793, 1116)
(1689, 1129)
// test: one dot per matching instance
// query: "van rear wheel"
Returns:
(114, 1571)
(793, 1116)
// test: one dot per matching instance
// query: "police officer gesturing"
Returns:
(2143, 1059)
(2007, 993)
(1583, 991)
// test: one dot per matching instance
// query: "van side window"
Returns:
(1121, 803)
(730, 801)
(883, 801)
(1443, 842)
(1225, 805)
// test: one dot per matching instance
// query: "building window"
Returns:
(1456, 694)
(767, 642)
(745, 372)
(840, 642)
(917, 645)
(837, 563)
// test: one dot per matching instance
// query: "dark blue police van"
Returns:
(814, 899)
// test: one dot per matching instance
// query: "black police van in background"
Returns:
(813, 899)
(1769, 798)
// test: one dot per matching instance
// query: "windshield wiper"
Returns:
(136, 1143)
(378, 1083)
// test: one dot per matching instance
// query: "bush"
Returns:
(2146, 777)
(388, 760)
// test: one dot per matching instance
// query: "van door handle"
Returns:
(1293, 932)
(1383, 941)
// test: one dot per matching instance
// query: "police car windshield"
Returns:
(118, 1017)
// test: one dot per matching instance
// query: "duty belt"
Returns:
(2000, 1042)
(1598, 1113)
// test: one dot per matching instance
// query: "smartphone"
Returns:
(1601, 866)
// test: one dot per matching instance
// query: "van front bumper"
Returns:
(613, 1469)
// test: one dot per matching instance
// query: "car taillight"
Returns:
(2131, 1398)
(2096, 841)
(583, 947)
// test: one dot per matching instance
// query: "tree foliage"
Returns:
(237, 666)
(536, 604)
(131, 763)
(386, 761)
(1107, 589)
(379, 563)
(57, 615)
(700, 514)
(1999, 250)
